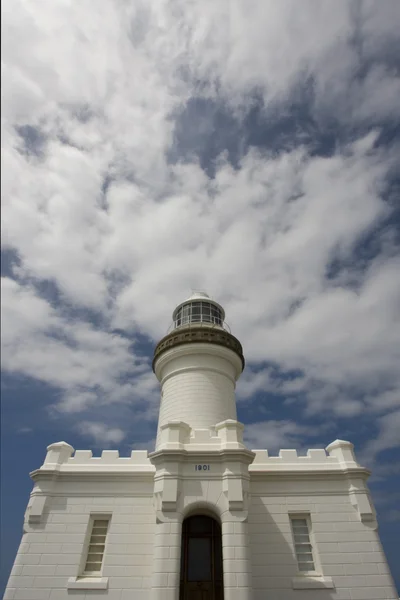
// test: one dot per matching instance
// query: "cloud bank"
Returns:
(244, 148)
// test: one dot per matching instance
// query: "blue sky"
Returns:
(247, 149)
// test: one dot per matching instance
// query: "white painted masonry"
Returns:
(197, 385)
(200, 466)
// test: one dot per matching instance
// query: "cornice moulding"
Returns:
(301, 473)
(214, 455)
(92, 473)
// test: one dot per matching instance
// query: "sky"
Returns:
(249, 149)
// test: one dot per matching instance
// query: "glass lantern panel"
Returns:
(185, 314)
(206, 311)
(196, 312)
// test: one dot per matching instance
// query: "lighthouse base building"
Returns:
(202, 517)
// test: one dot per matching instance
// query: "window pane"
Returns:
(93, 566)
(305, 557)
(301, 548)
(216, 316)
(96, 547)
(300, 522)
(300, 530)
(196, 312)
(94, 558)
(200, 524)
(302, 538)
(206, 311)
(199, 559)
(306, 566)
(97, 539)
(185, 314)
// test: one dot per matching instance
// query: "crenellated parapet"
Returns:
(215, 453)
(177, 435)
(63, 459)
(338, 456)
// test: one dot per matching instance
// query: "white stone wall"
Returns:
(178, 400)
(68, 490)
(51, 551)
(348, 552)
(148, 500)
(197, 385)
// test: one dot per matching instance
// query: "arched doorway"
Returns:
(201, 560)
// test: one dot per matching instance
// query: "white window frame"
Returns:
(92, 519)
(317, 569)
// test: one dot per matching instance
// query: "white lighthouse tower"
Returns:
(202, 517)
(202, 476)
(197, 365)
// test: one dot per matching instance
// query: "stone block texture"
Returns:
(51, 552)
(252, 495)
(197, 385)
(344, 547)
(201, 466)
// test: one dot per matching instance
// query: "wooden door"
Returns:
(201, 559)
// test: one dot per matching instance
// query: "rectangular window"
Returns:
(96, 546)
(301, 529)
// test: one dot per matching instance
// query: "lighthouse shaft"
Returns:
(197, 365)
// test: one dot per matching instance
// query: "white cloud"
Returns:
(104, 216)
(148, 445)
(272, 47)
(387, 436)
(87, 364)
(101, 433)
(275, 435)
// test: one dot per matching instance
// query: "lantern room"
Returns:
(199, 308)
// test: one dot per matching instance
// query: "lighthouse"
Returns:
(200, 517)
(197, 365)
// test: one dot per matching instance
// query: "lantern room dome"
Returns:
(198, 308)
